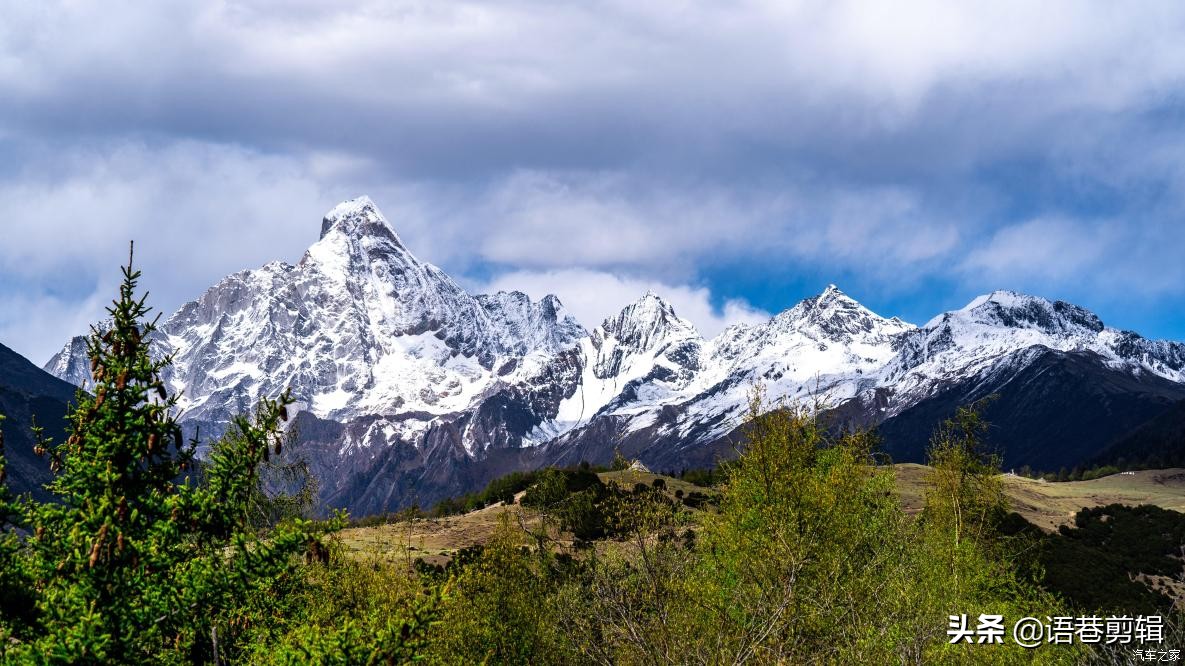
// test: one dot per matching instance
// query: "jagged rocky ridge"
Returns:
(411, 389)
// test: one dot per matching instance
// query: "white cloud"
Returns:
(592, 296)
(32, 321)
(551, 221)
(197, 213)
(1053, 249)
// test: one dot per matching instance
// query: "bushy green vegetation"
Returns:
(1094, 564)
(387, 518)
(341, 610)
(704, 477)
(810, 558)
(1077, 473)
(500, 490)
(578, 502)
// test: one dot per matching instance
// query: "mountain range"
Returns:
(411, 389)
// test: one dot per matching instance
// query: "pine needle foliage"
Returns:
(136, 561)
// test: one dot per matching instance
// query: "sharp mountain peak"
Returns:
(358, 217)
(1013, 309)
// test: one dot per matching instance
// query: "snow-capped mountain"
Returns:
(633, 362)
(990, 329)
(359, 326)
(1066, 383)
(71, 363)
(410, 388)
(1004, 321)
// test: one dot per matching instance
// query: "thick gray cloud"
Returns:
(913, 149)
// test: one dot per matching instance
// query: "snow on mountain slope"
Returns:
(964, 342)
(70, 364)
(358, 326)
(825, 345)
(634, 361)
(832, 350)
(647, 361)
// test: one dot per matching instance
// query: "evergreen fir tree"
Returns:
(135, 560)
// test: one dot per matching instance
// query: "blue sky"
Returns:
(733, 157)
